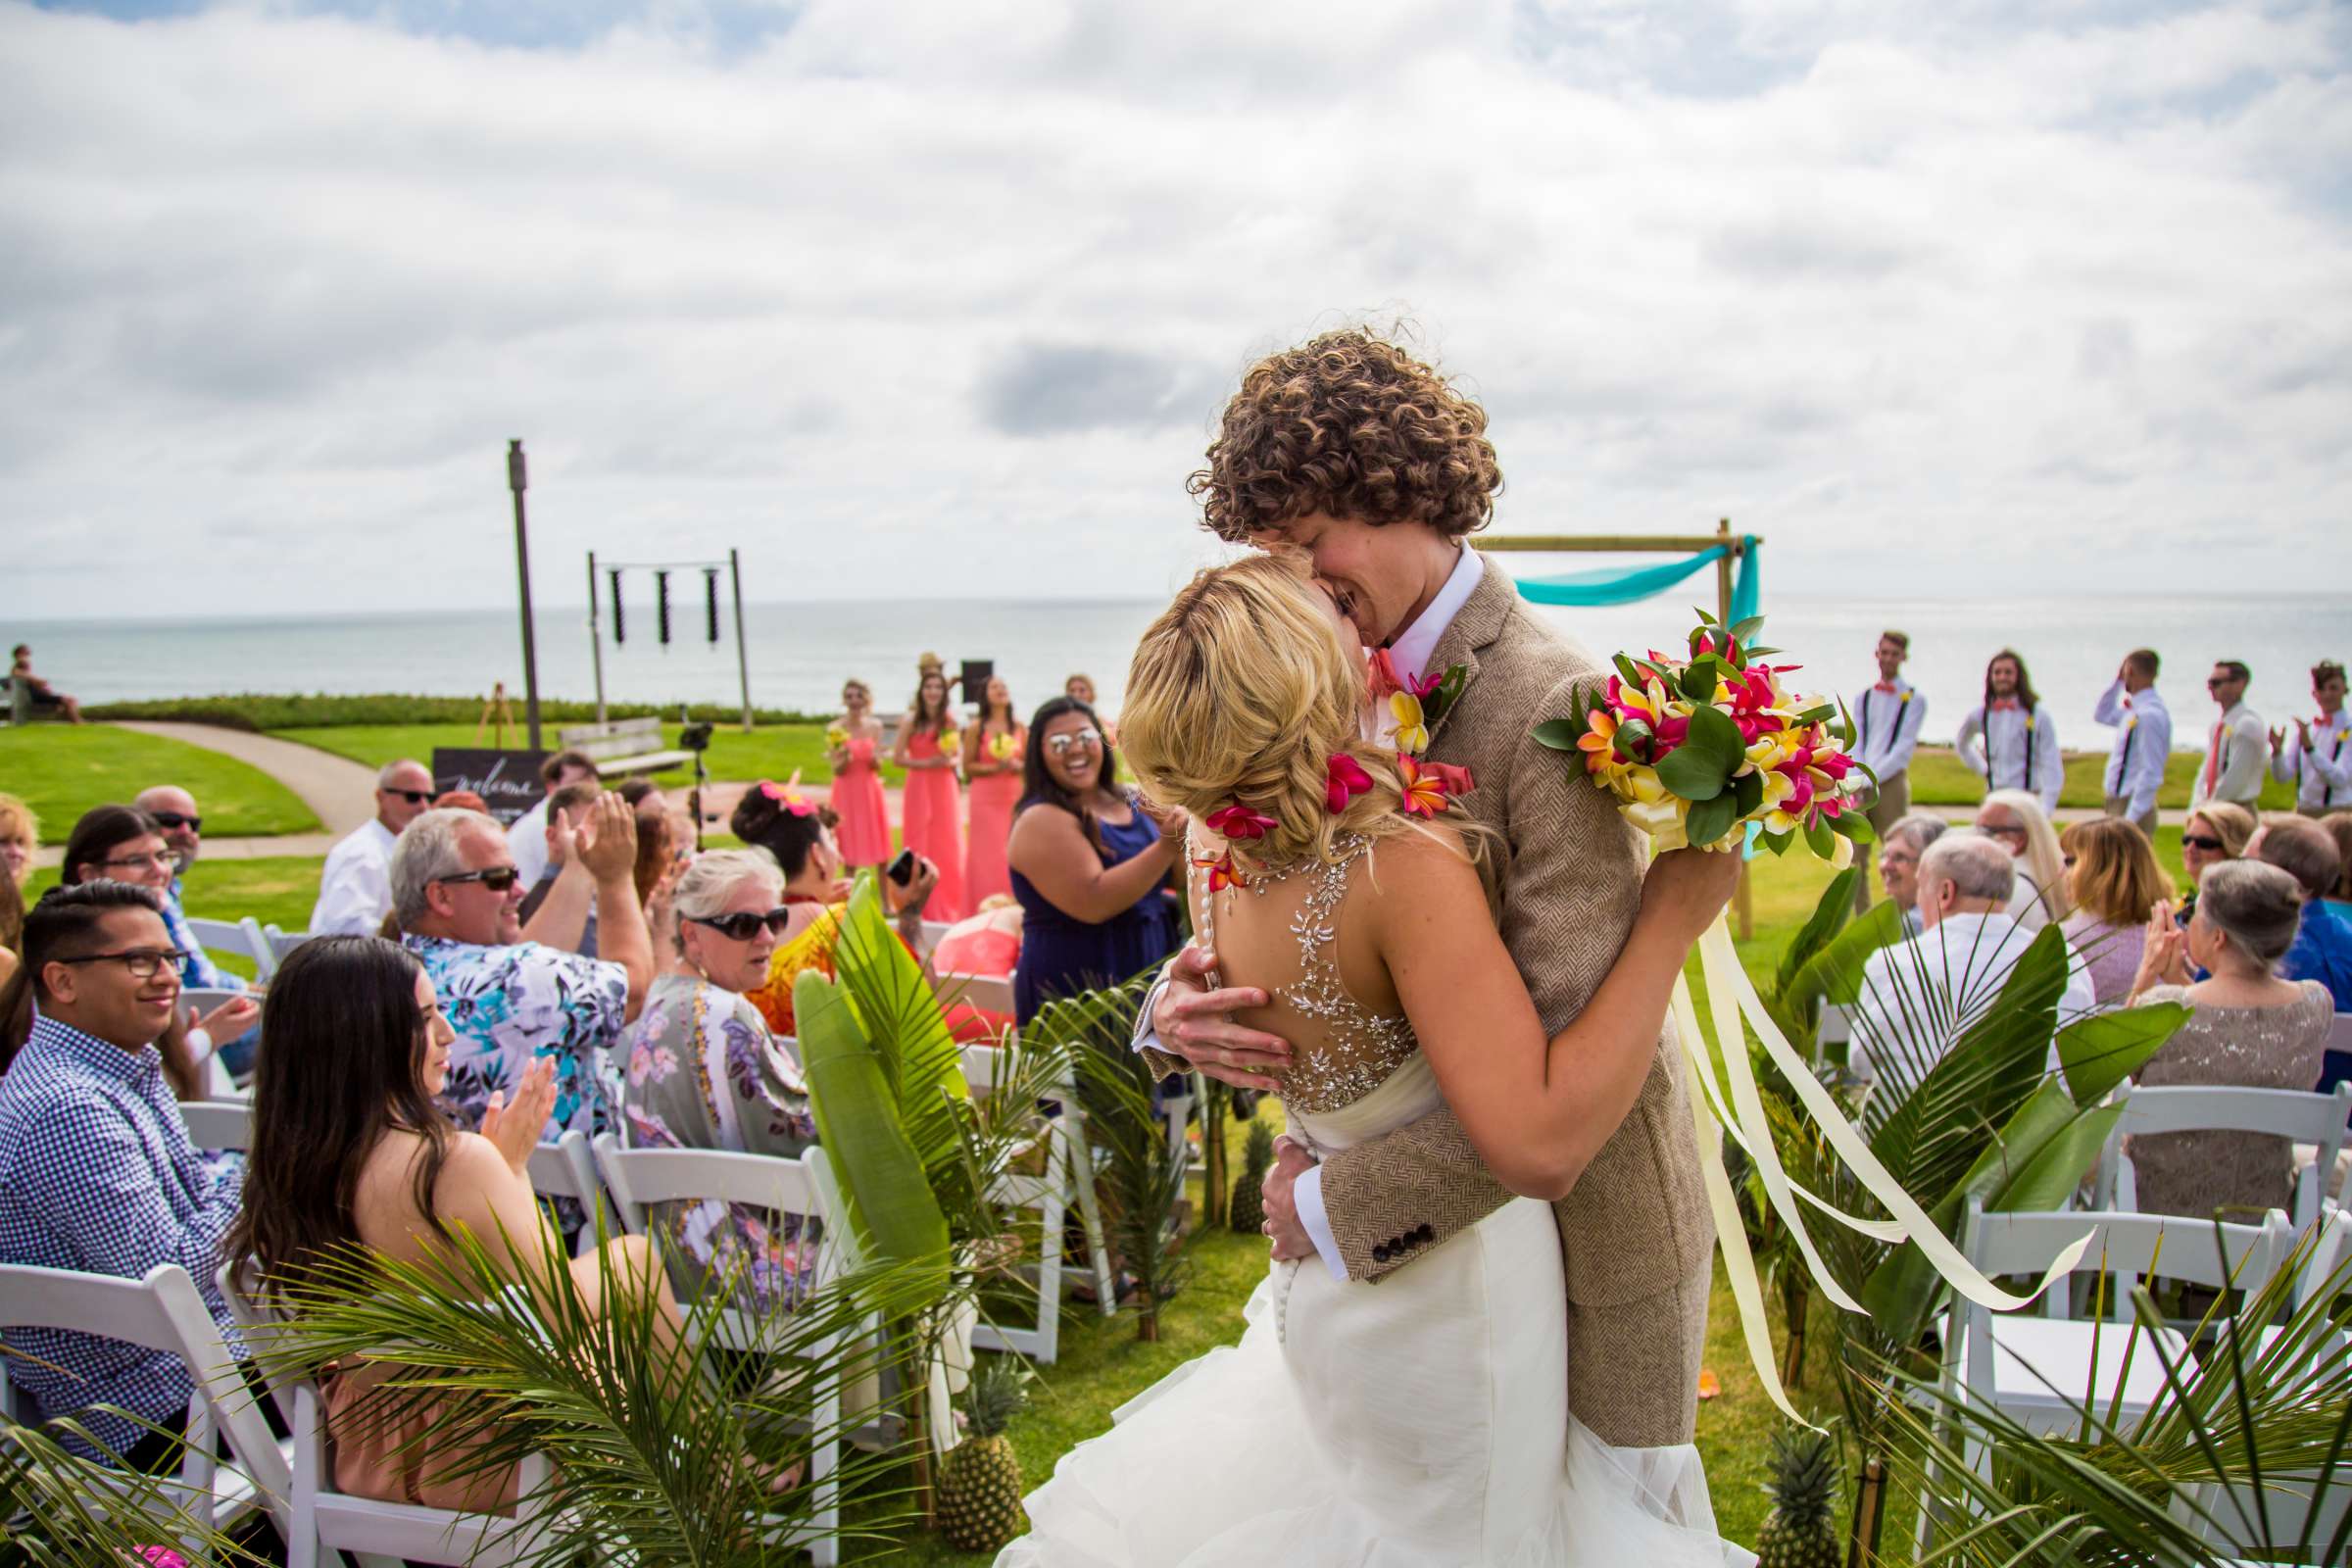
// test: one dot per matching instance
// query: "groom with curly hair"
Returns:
(1350, 449)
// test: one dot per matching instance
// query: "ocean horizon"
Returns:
(800, 653)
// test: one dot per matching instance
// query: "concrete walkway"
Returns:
(339, 792)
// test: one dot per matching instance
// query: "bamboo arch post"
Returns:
(1649, 544)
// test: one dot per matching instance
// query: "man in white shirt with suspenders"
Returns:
(2317, 758)
(1887, 718)
(2143, 739)
(2009, 740)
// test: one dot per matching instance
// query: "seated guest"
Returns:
(454, 891)
(2216, 832)
(96, 1171)
(43, 695)
(566, 809)
(2113, 882)
(350, 1150)
(704, 1072)
(2246, 1027)
(798, 833)
(1907, 839)
(988, 943)
(460, 800)
(526, 839)
(175, 817)
(355, 891)
(1087, 865)
(1919, 997)
(2339, 828)
(174, 811)
(665, 838)
(119, 844)
(2322, 947)
(2015, 820)
(20, 836)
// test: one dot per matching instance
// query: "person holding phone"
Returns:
(798, 833)
(1088, 864)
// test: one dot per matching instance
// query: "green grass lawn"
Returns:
(773, 751)
(61, 770)
(276, 890)
(1939, 778)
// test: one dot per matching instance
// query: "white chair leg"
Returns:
(1048, 1274)
(1090, 1208)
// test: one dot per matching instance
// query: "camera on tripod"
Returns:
(696, 737)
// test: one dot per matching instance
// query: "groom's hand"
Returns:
(1197, 1023)
(1281, 1213)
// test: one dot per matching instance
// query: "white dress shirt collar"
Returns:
(1410, 648)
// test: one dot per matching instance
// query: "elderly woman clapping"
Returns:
(704, 1072)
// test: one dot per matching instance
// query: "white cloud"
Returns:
(2008, 288)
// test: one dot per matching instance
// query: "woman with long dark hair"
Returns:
(1088, 864)
(349, 1149)
(930, 813)
(993, 748)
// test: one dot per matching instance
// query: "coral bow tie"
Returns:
(1886, 686)
(2003, 704)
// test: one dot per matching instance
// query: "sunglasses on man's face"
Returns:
(413, 797)
(194, 824)
(2199, 841)
(744, 924)
(497, 878)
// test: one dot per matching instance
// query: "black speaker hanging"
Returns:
(620, 632)
(662, 607)
(710, 604)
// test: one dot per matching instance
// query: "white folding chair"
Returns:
(378, 1533)
(282, 943)
(215, 1124)
(566, 1168)
(1837, 1029)
(163, 1312)
(991, 993)
(219, 1083)
(927, 941)
(244, 937)
(638, 1178)
(1069, 1173)
(2298, 1118)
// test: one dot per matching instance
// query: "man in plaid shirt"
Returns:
(96, 1171)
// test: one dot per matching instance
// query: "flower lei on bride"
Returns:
(1429, 789)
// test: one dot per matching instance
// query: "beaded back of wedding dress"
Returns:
(1422, 1420)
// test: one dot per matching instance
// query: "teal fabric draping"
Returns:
(1625, 585)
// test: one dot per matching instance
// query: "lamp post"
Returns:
(518, 481)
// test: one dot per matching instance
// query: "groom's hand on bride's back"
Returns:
(1197, 1023)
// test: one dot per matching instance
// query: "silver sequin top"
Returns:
(2256, 1047)
(1359, 1047)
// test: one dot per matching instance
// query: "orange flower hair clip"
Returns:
(1223, 873)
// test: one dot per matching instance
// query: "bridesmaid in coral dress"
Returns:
(931, 817)
(992, 767)
(852, 746)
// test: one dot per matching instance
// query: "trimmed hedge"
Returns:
(258, 712)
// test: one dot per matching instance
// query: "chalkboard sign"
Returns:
(507, 780)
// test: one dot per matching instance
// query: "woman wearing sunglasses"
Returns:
(1087, 865)
(2217, 832)
(704, 1072)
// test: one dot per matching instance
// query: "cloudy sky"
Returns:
(936, 299)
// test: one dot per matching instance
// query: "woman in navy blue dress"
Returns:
(1087, 865)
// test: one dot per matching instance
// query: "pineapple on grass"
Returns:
(980, 1481)
(1248, 1211)
(1799, 1533)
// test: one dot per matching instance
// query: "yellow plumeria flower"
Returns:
(1412, 733)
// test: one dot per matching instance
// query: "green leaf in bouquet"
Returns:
(1820, 840)
(1855, 827)
(1845, 732)
(1705, 619)
(1689, 772)
(1748, 793)
(1818, 715)
(1777, 843)
(1449, 689)
(2102, 1049)
(1559, 734)
(1626, 671)
(1758, 652)
(1701, 677)
(1710, 819)
(1633, 740)
(1745, 631)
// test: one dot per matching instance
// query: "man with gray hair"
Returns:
(1919, 997)
(355, 890)
(457, 892)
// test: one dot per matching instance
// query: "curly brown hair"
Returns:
(1351, 424)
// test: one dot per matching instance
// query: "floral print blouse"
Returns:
(704, 1072)
(509, 1003)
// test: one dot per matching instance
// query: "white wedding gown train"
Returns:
(1418, 1421)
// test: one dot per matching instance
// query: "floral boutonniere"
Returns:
(1415, 702)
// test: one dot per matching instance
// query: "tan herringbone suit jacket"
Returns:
(1636, 1241)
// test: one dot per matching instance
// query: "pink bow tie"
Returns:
(1886, 686)
(2003, 704)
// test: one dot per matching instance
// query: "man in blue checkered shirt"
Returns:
(96, 1171)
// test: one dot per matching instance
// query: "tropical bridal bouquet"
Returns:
(1713, 752)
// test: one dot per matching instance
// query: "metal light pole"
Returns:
(595, 640)
(743, 657)
(518, 481)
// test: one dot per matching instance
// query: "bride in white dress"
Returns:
(1423, 1419)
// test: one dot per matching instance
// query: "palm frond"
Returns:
(61, 1507)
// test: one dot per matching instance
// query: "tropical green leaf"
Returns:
(2102, 1049)
(1835, 974)
(893, 1208)
(1701, 677)
(1689, 772)
(1745, 631)
(1560, 734)
(1831, 914)
(1748, 793)
(1855, 827)
(1626, 671)
(1816, 715)
(1710, 819)
(1821, 839)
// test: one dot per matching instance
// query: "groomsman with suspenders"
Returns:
(1886, 720)
(2143, 739)
(2317, 758)
(2009, 741)
(2235, 750)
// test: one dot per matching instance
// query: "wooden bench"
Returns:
(623, 747)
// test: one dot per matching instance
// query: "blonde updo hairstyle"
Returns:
(1243, 691)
